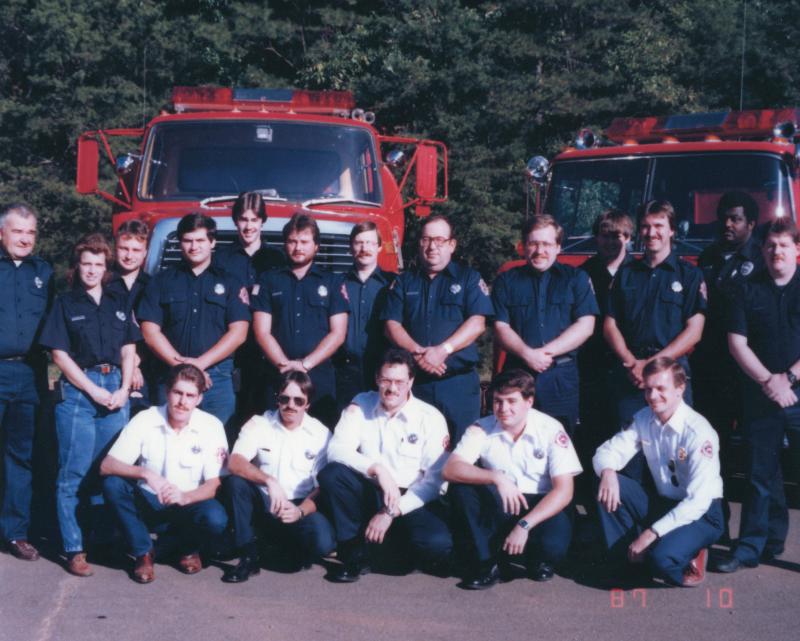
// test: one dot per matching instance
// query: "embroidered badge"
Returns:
(538, 453)
(256, 289)
(747, 268)
(121, 315)
(222, 454)
(310, 455)
(455, 288)
(322, 290)
(483, 287)
(703, 290)
(196, 449)
(243, 296)
(219, 289)
(676, 287)
(707, 449)
(344, 293)
(681, 454)
(413, 438)
(446, 442)
(38, 282)
(562, 440)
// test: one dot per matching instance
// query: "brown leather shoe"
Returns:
(695, 572)
(143, 571)
(190, 564)
(77, 565)
(23, 550)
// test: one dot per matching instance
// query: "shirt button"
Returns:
(194, 310)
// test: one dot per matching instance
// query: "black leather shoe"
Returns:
(731, 563)
(770, 554)
(248, 566)
(349, 572)
(482, 581)
(541, 571)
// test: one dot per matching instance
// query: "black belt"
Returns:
(646, 352)
(103, 368)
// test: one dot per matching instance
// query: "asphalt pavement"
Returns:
(40, 602)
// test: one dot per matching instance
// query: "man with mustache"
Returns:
(764, 339)
(300, 317)
(366, 285)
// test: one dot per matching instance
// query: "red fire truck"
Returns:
(689, 160)
(310, 151)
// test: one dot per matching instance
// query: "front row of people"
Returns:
(384, 472)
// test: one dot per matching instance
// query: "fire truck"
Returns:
(308, 151)
(690, 160)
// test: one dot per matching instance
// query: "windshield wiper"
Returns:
(266, 194)
(336, 200)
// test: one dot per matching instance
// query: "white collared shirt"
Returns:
(686, 442)
(411, 444)
(187, 458)
(293, 457)
(542, 451)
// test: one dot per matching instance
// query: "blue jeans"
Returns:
(220, 400)
(138, 510)
(18, 401)
(85, 432)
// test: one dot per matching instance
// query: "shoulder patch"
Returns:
(703, 290)
(344, 293)
(707, 449)
(222, 454)
(243, 296)
(483, 287)
(561, 439)
(446, 442)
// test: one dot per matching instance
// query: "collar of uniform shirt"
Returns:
(166, 427)
(274, 417)
(670, 262)
(407, 413)
(529, 431)
(377, 274)
(676, 422)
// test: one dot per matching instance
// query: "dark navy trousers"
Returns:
(457, 397)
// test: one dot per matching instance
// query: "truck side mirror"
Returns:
(88, 159)
(427, 172)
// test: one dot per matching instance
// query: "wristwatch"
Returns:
(792, 378)
(524, 524)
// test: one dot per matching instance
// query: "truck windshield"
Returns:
(298, 160)
(581, 189)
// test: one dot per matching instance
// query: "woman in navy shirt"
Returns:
(92, 339)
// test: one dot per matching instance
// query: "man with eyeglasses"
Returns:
(670, 528)
(366, 285)
(437, 310)
(385, 473)
(273, 481)
(544, 312)
(300, 317)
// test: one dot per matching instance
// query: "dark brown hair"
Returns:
(664, 364)
(95, 243)
(300, 222)
(186, 372)
(514, 380)
(135, 228)
(249, 201)
(540, 222)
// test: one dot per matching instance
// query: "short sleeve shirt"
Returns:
(366, 301)
(188, 458)
(542, 451)
(193, 311)
(293, 457)
(245, 268)
(27, 291)
(431, 310)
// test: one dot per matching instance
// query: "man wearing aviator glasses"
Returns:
(672, 527)
(436, 311)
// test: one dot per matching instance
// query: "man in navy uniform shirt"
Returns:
(437, 310)
(247, 258)
(300, 317)
(656, 308)
(129, 280)
(544, 311)
(366, 285)
(764, 339)
(198, 314)
(26, 283)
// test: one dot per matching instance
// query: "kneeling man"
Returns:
(672, 527)
(386, 459)
(273, 480)
(517, 499)
(164, 469)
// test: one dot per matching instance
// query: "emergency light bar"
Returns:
(336, 103)
(752, 124)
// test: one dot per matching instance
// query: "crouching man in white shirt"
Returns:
(672, 528)
(385, 473)
(273, 481)
(164, 468)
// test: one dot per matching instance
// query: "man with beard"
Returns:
(366, 285)
(300, 317)
(764, 339)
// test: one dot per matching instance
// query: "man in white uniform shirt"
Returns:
(518, 499)
(273, 480)
(386, 457)
(164, 468)
(672, 528)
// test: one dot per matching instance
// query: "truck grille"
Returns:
(334, 249)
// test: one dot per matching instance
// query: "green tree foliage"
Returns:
(495, 81)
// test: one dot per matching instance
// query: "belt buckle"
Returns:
(105, 368)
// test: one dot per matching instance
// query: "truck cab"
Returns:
(308, 151)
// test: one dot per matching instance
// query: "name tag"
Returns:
(78, 318)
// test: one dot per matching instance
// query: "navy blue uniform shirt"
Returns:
(248, 269)
(769, 317)
(651, 306)
(366, 300)
(90, 333)
(539, 306)
(194, 312)
(431, 310)
(133, 295)
(300, 309)
(27, 291)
